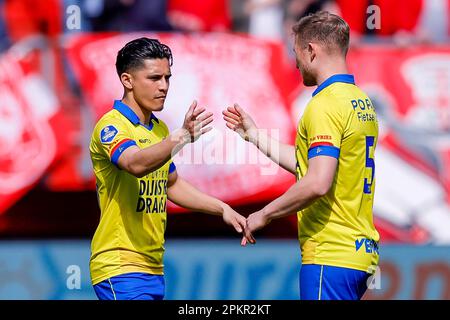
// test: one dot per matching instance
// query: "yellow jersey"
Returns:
(130, 234)
(337, 229)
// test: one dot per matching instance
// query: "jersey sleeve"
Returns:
(113, 138)
(324, 129)
(172, 166)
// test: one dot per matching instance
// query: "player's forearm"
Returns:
(280, 153)
(297, 197)
(153, 157)
(186, 195)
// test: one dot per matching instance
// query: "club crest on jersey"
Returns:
(108, 133)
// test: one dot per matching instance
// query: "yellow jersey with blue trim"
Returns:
(130, 234)
(337, 229)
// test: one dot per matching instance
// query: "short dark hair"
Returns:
(133, 54)
(324, 27)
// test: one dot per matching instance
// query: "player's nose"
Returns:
(164, 86)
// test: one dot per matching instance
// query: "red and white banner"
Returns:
(29, 120)
(410, 89)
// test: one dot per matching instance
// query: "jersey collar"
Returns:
(128, 113)
(346, 78)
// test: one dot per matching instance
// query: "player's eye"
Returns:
(154, 78)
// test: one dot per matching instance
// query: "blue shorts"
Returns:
(321, 282)
(131, 286)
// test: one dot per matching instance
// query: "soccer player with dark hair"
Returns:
(333, 160)
(131, 151)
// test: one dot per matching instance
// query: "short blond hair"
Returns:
(326, 28)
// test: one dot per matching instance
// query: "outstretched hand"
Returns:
(238, 120)
(196, 121)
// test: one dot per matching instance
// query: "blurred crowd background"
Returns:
(57, 78)
(416, 21)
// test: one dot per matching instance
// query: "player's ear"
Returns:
(126, 80)
(312, 50)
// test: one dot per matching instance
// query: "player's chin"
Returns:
(309, 82)
(158, 105)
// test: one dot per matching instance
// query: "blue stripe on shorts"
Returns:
(131, 286)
